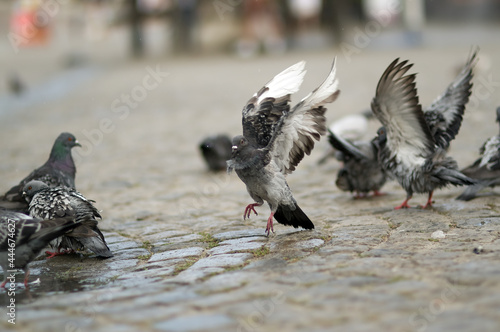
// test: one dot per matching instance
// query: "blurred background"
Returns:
(119, 73)
(83, 31)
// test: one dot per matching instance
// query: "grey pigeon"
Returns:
(409, 150)
(58, 170)
(486, 169)
(275, 139)
(22, 238)
(361, 172)
(216, 150)
(51, 203)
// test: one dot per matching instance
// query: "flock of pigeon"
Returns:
(45, 209)
(411, 147)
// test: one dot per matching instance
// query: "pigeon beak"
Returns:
(77, 143)
(234, 148)
(24, 194)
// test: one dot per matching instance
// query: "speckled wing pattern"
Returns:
(444, 116)
(397, 107)
(294, 134)
(263, 111)
(51, 203)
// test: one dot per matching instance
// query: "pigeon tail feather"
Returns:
(455, 178)
(288, 217)
(97, 246)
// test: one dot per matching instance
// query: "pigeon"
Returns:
(275, 139)
(486, 169)
(51, 203)
(412, 149)
(22, 238)
(15, 84)
(216, 150)
(362, 171)
(59, 170)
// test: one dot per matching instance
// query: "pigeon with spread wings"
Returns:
(275, 139)
(409, 147)
(486, 169)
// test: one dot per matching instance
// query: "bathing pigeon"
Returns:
(486, 169)
(50, 203)
(361, 172)
(216, 150)
(275, 139)
(58, 170)
(408, 148)
(22, 238)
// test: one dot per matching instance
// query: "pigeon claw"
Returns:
(378, 193)
(57, 253)
(249, 209)
(269, 227)
(429, 202)
(26, 277)
(403, 205)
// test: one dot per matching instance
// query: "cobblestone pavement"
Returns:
(184, 258)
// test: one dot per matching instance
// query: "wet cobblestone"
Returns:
(186, 261)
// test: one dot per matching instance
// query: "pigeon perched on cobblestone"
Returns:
(412, 148)
(486, 169)
(275, 139)
(22, 238)
(50, 203)
(361, 172)
(216, 150)
(58, 170)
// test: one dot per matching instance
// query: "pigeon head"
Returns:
(381, 139)
(31, 188)
(240, 143)
(62, 146)
(498, 115)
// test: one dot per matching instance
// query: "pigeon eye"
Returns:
(242, 142)
(70, 139)
(29, 188)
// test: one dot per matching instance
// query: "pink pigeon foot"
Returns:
(269, 227)
(249, 209)
(403, 205)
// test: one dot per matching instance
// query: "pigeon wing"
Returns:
(346, 147)
(396, 106)
(444, 116)
(51, 203)
(296, 131)
(263, 111)
(83, 207)
(24, 227)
